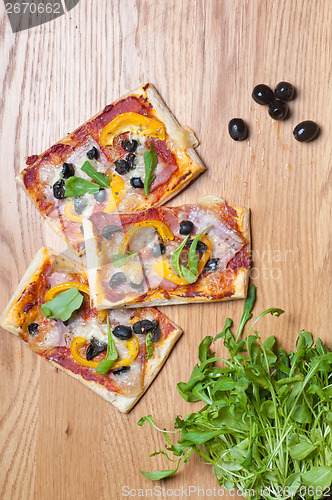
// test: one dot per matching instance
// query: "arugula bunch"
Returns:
(266, 423)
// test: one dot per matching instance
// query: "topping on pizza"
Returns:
(132, 156)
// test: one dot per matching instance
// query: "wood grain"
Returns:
(59, 440)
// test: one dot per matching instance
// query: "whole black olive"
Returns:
(94, 349)
(131, 158)
(284, 91)
(186, 226)
(129, 146)
(201, 247)
(120, 370)
(59, 189)
(136, 182)
(93, 154)
(117, 279)
(68, 170)
(122, 332)
(108, 231)
(33, 328)
(306, 131)
(262, 94)
(122, 167)
(211, 265)
(158, 249)
(100, 196)
(278, 110)
(80, 203)
(143, 326)
(237, 129)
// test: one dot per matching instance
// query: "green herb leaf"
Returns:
(248, 307)
(111, 354)
(121, 259)
(160, 474)
(97, 176)
(150, 162)
(76, 186)
(192, 257)
(149, 345)
(63, 305)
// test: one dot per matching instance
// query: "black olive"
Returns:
(145, 325)
(122, 369)
(284, 91)
(81, 229)
(136, 182)
(122, 332)
(59, 189)
(117, 279)
(33, 328)
(100, 196)
(201, 247)
(129, 146)
(186, 226)
(262, 94)
(131, 158)
(68, 170)
(80, 203)
(94, 349)
(122, 167)
(93, 154)
(278, 110)
(211, 265)
(237, 129)
(108, 231)
(137, 286)
(306, 131)
(158, 249)
(155, 332)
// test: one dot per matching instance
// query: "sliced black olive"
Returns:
(186, 226)
(237, 129)
(158, 249)
(80, 203)
(262, 94)
(59, 189)
(33, 328)
(68, 170)
(108, 231)
(137, 286)
(122, 332)
(100, 196)
(155, 332)
(129, 146)
(306, 131)
(81, 229)
(93, 154)
(278, 110)
(284, 91)
(117, 279)
(94, 349)
(131, 158)
(201, 247)
(136, 182)
(143, 326)
(122, 167)
(120, 370)
(211, 265)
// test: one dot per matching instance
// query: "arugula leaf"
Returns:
(248, 307)
(150, 162)
(160, 474)
(97, 176)
(149, 345)
(121, 259)
(63, 305)
(192, 257)
(76, 186)
(111, 354)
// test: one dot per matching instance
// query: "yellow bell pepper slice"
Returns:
(131, 122)
(163, 268)
(78, 342)
(70, 213)
(163, 230)
(116, 192)
(82, 287)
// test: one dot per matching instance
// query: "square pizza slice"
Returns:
(168, 255)
(115, 353)
(131, 156)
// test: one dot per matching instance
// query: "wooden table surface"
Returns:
(58, 439)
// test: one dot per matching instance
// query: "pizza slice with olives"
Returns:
(168, 255)
(115, 353)
(131, 156)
